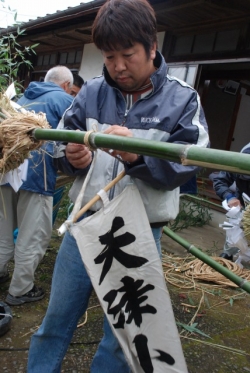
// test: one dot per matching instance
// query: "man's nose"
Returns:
(120, 65)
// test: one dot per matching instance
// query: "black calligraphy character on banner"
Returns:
(165, 357)
(112, 249)
(133, 298)
(141, 346)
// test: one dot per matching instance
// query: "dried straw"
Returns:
(16, 141)
(246, 223)
(186, 274)
(198, 270)
(6, 106)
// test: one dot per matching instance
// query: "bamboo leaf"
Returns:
(192, 329)
(21, 32)
(12, 55)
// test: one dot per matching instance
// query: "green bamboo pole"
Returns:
(200, 199)
(184, 154)
(242, 283)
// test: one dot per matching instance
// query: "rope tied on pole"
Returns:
(87, 140)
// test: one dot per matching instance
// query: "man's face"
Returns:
(130, 68)
(74, 90)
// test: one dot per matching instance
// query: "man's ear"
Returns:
(153, 51)
(66, 86)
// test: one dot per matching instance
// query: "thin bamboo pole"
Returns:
(184, 154)
(242, 283)
(86, 207)
(201, 200)
(97, 197)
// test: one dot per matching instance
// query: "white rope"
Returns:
(67, 224)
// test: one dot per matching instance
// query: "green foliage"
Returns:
(192, 329)
(12, 56)
(191, 214)
(65, 203)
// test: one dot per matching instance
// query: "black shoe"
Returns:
(4, 278)
(33, 295)
(5, 318)
(226, 256)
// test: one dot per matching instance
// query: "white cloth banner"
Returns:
(120, 255)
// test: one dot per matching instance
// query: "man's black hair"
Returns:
(122, 23)
(78, 80)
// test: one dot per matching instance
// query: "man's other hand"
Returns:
(78, 155)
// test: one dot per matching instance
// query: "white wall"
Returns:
(92, 62)
(160, 37)
(241, 131)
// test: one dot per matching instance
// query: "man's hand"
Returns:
(233, 202)
(121, 131)
(78, 155)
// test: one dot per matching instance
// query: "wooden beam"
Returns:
(176, 5)
(68, 37)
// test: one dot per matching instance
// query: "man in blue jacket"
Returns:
(223, 181)
(30, 209)
(230, 186)
(134, 97)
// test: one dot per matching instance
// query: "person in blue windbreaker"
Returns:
(223, 181)
(58, 195)
(134, 97)
(30, 209)
(231, 186)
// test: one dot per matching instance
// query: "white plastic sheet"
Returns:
(234, 233)
(15, 177)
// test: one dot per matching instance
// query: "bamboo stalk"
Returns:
(242, 283)
(184, 154)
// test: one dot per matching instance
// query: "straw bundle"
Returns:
(16, 141)
(246, 223)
